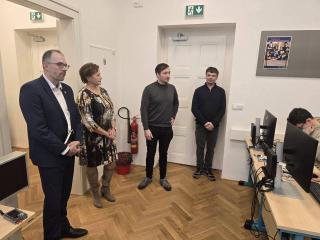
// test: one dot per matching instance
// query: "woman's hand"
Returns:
(111, 133)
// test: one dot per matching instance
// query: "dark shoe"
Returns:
(197, 173)
(75, 233)
(165, 184)
(210, 175)
(144, 183)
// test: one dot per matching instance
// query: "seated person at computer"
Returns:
(304, 120)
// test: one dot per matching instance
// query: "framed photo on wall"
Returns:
(277, 52)
(289, 53)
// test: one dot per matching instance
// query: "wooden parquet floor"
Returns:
(193, 210)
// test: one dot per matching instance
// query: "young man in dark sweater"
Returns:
(208, 107)
(159, 107)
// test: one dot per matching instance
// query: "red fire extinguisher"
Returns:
(134, 136)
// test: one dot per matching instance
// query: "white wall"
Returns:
(14, 17)
(138, 41)
(98, 25)
(5, 145)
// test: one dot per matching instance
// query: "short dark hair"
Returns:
(87, 70)
(299, 115)
(212, 70)
(160, 67)
(47, 54)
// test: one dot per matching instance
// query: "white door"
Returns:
(188, 61)
(106, 60)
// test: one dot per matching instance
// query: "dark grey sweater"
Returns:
(159, 104)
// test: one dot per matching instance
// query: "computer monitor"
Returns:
(13, 176)
(299, 151)
(269, 128)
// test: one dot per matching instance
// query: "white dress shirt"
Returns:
(57, 91)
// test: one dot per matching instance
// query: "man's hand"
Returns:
(308, 128)
(148, 134)
(74, 148)
(316, 177)
(209, 126)
(172, 121)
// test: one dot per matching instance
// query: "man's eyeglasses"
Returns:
(61, 65)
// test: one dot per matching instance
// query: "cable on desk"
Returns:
(264, 205)
(257, 185)
(255, 232)
(274, 237)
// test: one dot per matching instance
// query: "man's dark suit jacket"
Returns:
(46, 123)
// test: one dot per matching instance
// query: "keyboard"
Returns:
(315, 190)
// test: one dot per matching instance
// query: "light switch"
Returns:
(137, 4)
(237, 106)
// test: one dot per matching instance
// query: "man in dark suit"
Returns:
(54, 132)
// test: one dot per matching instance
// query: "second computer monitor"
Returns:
(269, 128)
(299, 153)
(270, 170)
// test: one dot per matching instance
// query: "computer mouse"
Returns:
(314, 175)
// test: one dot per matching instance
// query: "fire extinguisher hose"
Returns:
(128, 121)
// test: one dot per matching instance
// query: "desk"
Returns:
(7, 228)
(288, 209)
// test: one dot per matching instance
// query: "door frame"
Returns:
(68, 31)
(228, 28)
(69, 41)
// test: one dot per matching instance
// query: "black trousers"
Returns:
(56, 184)
(164, 136)
(209, 139)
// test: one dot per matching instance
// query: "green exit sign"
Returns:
(36, 16)
(194, 10)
